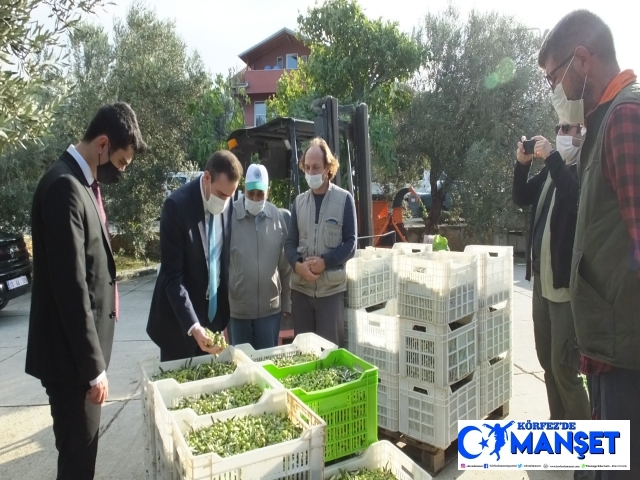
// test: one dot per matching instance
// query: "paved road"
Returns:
(27, 449)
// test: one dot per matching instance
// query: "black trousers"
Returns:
(76, 424)
(614, 396)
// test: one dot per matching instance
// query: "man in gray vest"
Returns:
(322, 238)
(579, 60)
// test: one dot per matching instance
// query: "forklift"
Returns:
(279, 143)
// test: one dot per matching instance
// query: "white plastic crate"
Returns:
(377, 336)
(430, 414)
(495, 273)
(350, 329)
(383, 455)
(438, 287)
(165, 460)
(148, 435)
(303, 343)
(437, 354)
(299, 458)
(388, 401)
(152, 366)
(496, 383)
(405, 247)
(495, 325)
(370, 278)
(168, 394)
(148, 369)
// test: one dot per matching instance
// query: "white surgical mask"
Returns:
(254, 208)
(566, 148)
(216, 205)
(314, 181)
(569, 111)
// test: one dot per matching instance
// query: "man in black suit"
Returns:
(191, 291)
(74, 304)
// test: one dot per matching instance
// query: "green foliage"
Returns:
(357, 60)
(32, 65)
(479, 93)
(183, 114)
(216, 113)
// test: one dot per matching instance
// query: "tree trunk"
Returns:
(434, 214)
(437, 199)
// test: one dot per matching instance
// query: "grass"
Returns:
(126, 262)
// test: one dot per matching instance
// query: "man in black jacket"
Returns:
(74, 304)
(553, 195)
(191, 291)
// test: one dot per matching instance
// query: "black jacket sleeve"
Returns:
(64, 219)
(565, 179)
(525, 190)
(172, 247)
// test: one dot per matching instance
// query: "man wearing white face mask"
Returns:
(191, 291)
(553, 195)
(578, 57)
(259, 273)
(322, 238)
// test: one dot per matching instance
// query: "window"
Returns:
(279, 63)
(259, 113)
(292, 61)
(303, 58)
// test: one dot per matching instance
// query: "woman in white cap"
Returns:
(259, 273)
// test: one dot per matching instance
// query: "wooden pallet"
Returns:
(430, 458)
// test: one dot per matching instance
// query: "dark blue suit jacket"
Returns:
(179, 299)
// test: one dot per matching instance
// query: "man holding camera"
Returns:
(553, 195)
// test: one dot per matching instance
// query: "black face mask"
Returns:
(108, 173)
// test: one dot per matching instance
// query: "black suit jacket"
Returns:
(179, 298)
(72, 317)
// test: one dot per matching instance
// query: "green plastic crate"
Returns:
(350, 410)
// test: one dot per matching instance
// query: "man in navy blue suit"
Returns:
(191, 291)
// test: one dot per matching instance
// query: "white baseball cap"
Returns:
(257, 178)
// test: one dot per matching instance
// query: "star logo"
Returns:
(485, 443)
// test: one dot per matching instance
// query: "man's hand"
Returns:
(286, 314)
(522, 157)
(304, 270)
(543, 147)
(99, 392)
(204, 342)
(316, 265)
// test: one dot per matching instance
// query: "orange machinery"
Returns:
(385, 221)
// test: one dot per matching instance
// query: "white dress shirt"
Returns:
(219, 236)
(84, 166)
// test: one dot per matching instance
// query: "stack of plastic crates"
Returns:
(371, 282)
(495, 325)
(439, 384)
(370, 278)
(375, 339)
(158, 459)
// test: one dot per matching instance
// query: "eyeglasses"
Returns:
(550, 76)
(566, 127)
